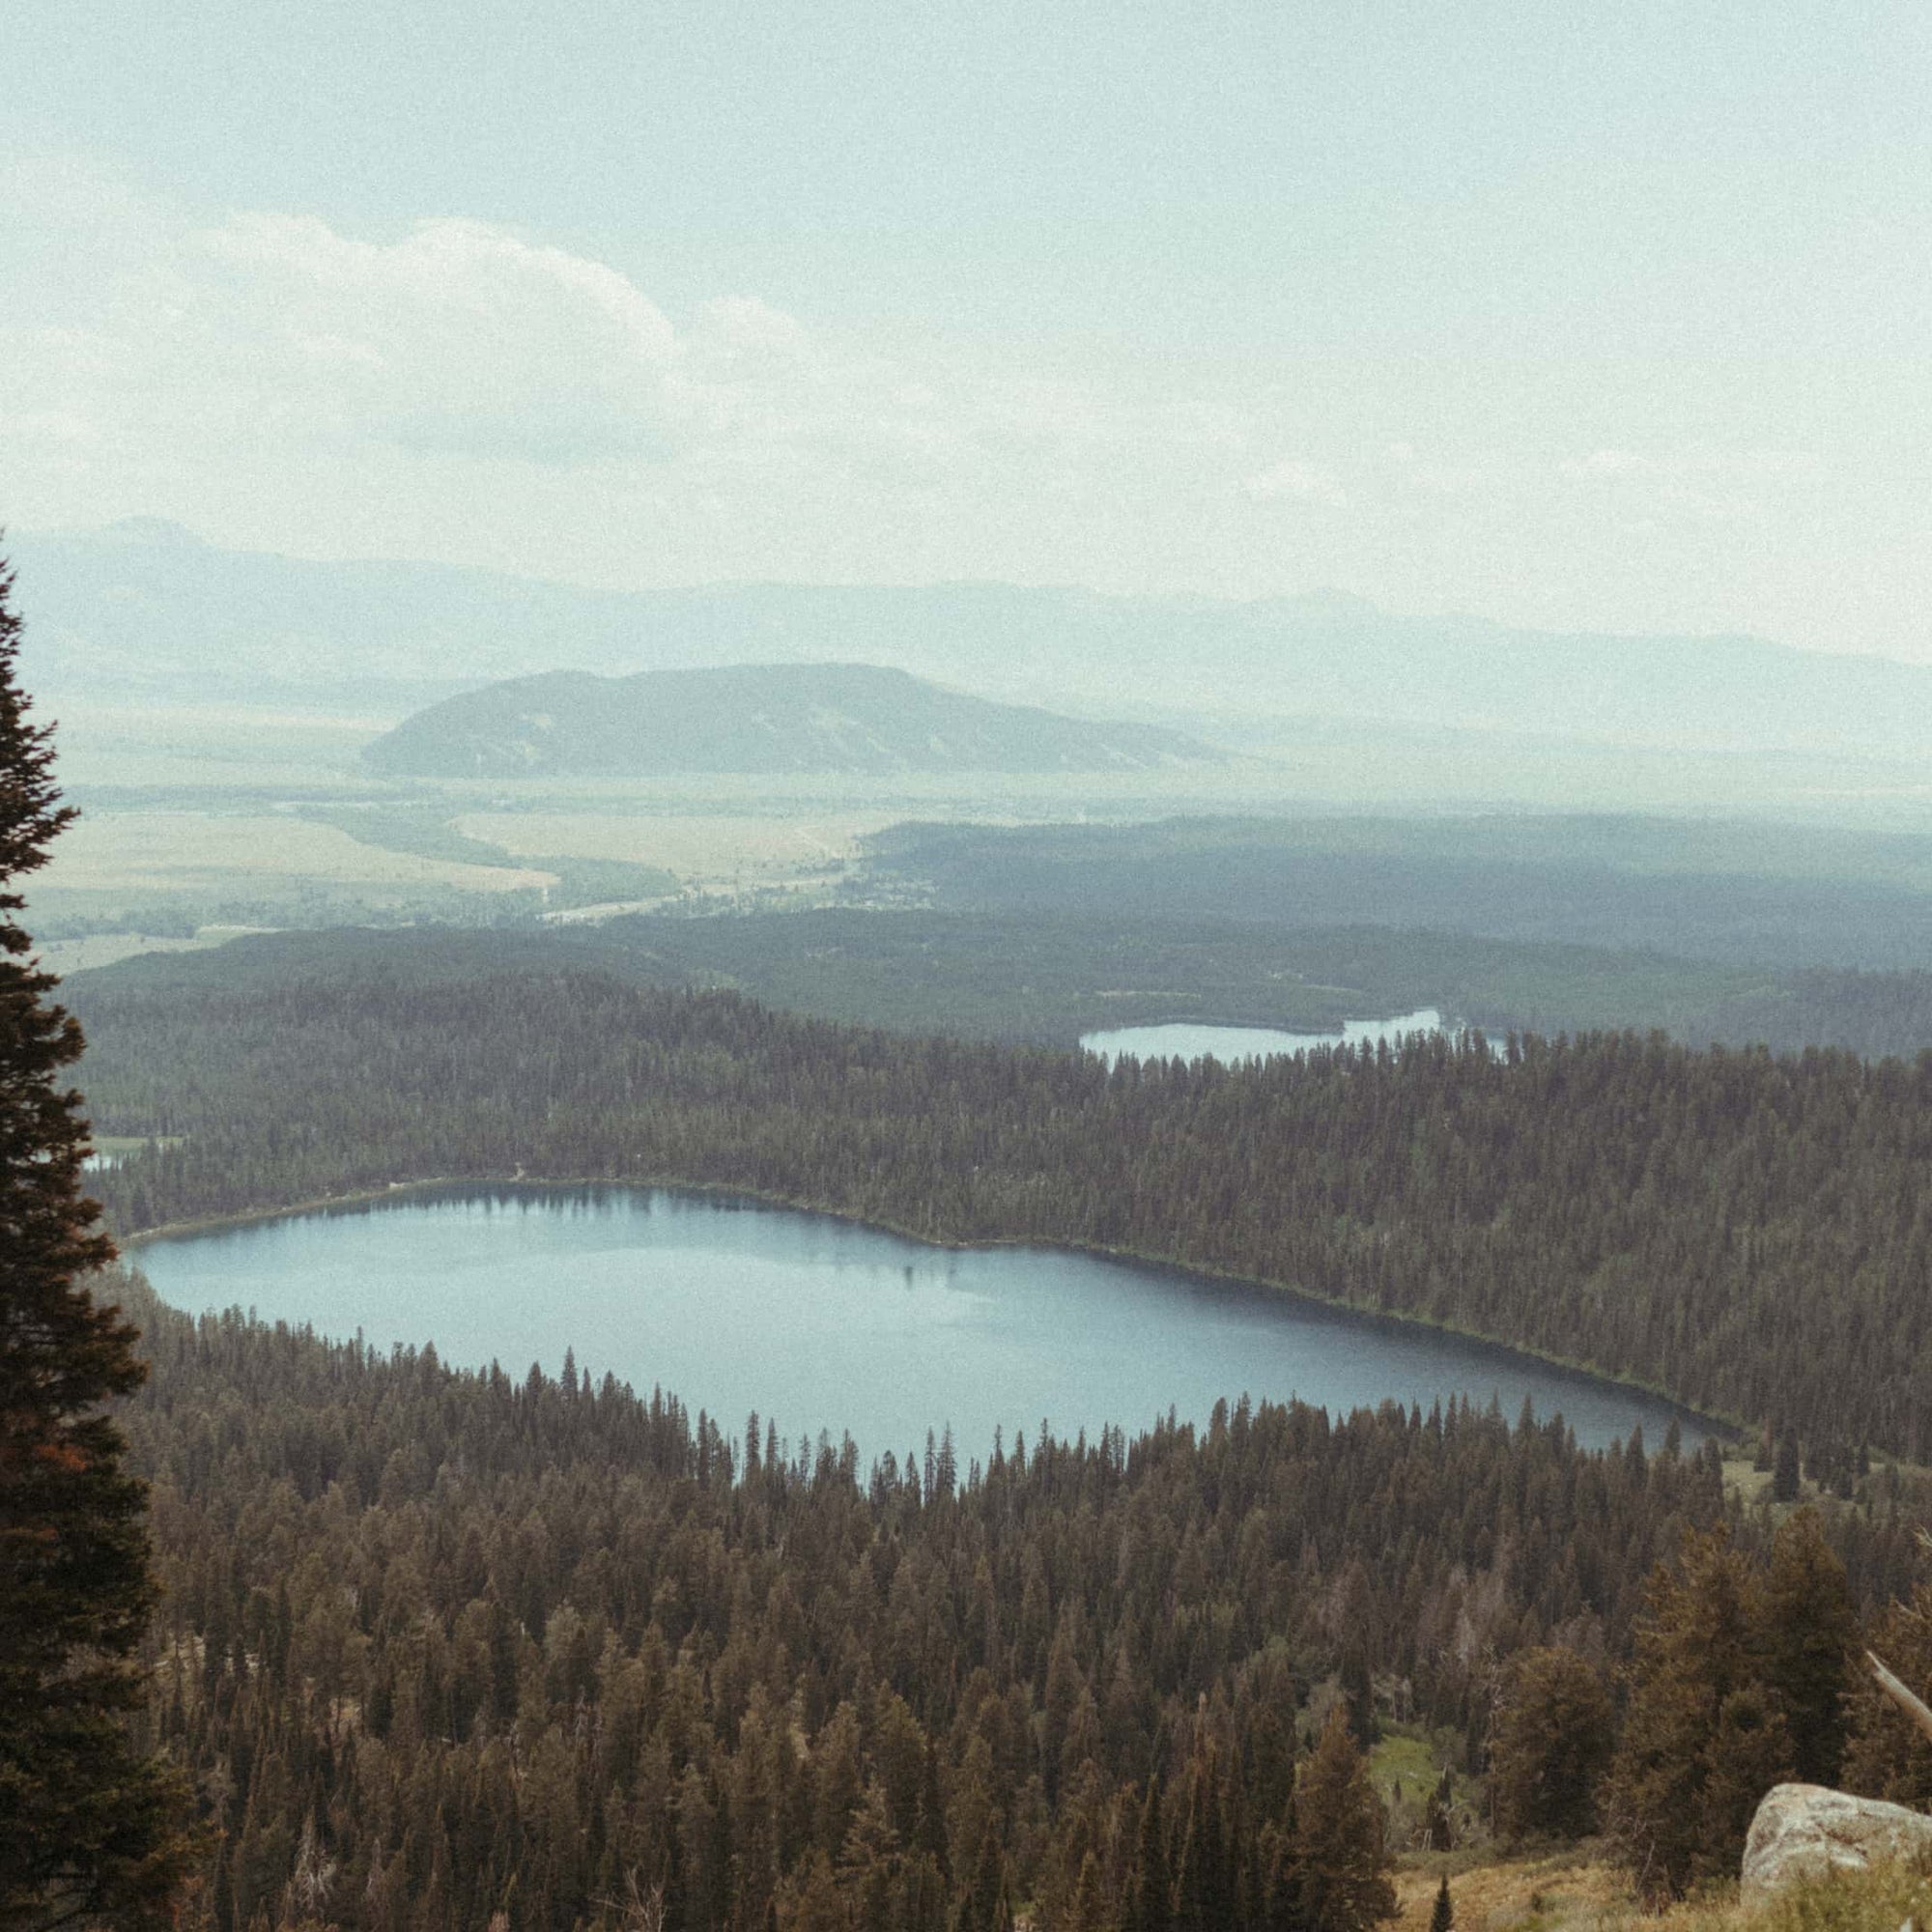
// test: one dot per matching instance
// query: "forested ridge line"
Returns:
(1748, 895)
(1748, 1233)
(1038, 978)
(440, 1645)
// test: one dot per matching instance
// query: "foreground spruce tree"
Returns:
(1342, 1863)
(87, 1825)
(1704, 1737)
(1810, 1634)
(1555, 1730)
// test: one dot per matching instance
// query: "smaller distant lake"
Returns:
(1231, 1044)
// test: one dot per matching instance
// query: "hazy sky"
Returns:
(1579, 315)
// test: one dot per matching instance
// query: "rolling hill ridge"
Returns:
(859, 719)
(148, 610)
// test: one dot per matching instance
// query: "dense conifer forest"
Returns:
(452, 1649)
(1798, 897)
(1038, 978)
(1752, 1235)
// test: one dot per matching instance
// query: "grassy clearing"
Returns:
(1883, 1900)
(1753, 1486)
(103, 948)
(422, 833)
(1404, 1766)
(115, 1145)
(1576, 1891)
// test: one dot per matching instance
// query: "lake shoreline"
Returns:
(1258, 1039)
(1726, 1429)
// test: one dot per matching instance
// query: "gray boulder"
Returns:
(1806, 1830)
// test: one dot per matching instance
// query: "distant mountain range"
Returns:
(756, 719)
(148, 612)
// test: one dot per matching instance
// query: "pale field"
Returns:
(144, 852)
(996, 797)
(230, 747)
(104, 948)
(1565, 1891)
(696, 847)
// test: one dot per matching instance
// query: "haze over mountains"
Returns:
(762, 718)
(146, 610)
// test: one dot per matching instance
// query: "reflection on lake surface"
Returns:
(820, 1324)
(1230, 1043)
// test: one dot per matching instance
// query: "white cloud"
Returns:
(463, 391)
(459, 338)
(268, 338)
(745, 328)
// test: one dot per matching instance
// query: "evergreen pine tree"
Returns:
(1090, 1911)
(868, 1865)
(1703, 1737)
(986, 1905)
(1555, 1731)
(87, 1825)
(1281, 1891)
(1748, 1752)
(1152, 1897)
(1201, 1893)
(1785, 1473)
(1340, 1857)
(1438, 1828)
(811, 1901)
(223, 1902)
(1442, 1917)
(1358, 1687)
(1807, 1629)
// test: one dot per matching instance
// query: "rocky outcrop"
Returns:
(1806, 1830)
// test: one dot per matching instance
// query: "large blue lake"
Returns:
(818, 1324)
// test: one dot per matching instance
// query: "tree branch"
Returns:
(1913, 1706)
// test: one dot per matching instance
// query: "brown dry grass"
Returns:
(1564, 1890)
(1576, 1891)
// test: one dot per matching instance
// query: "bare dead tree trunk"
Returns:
(1913, 1706)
